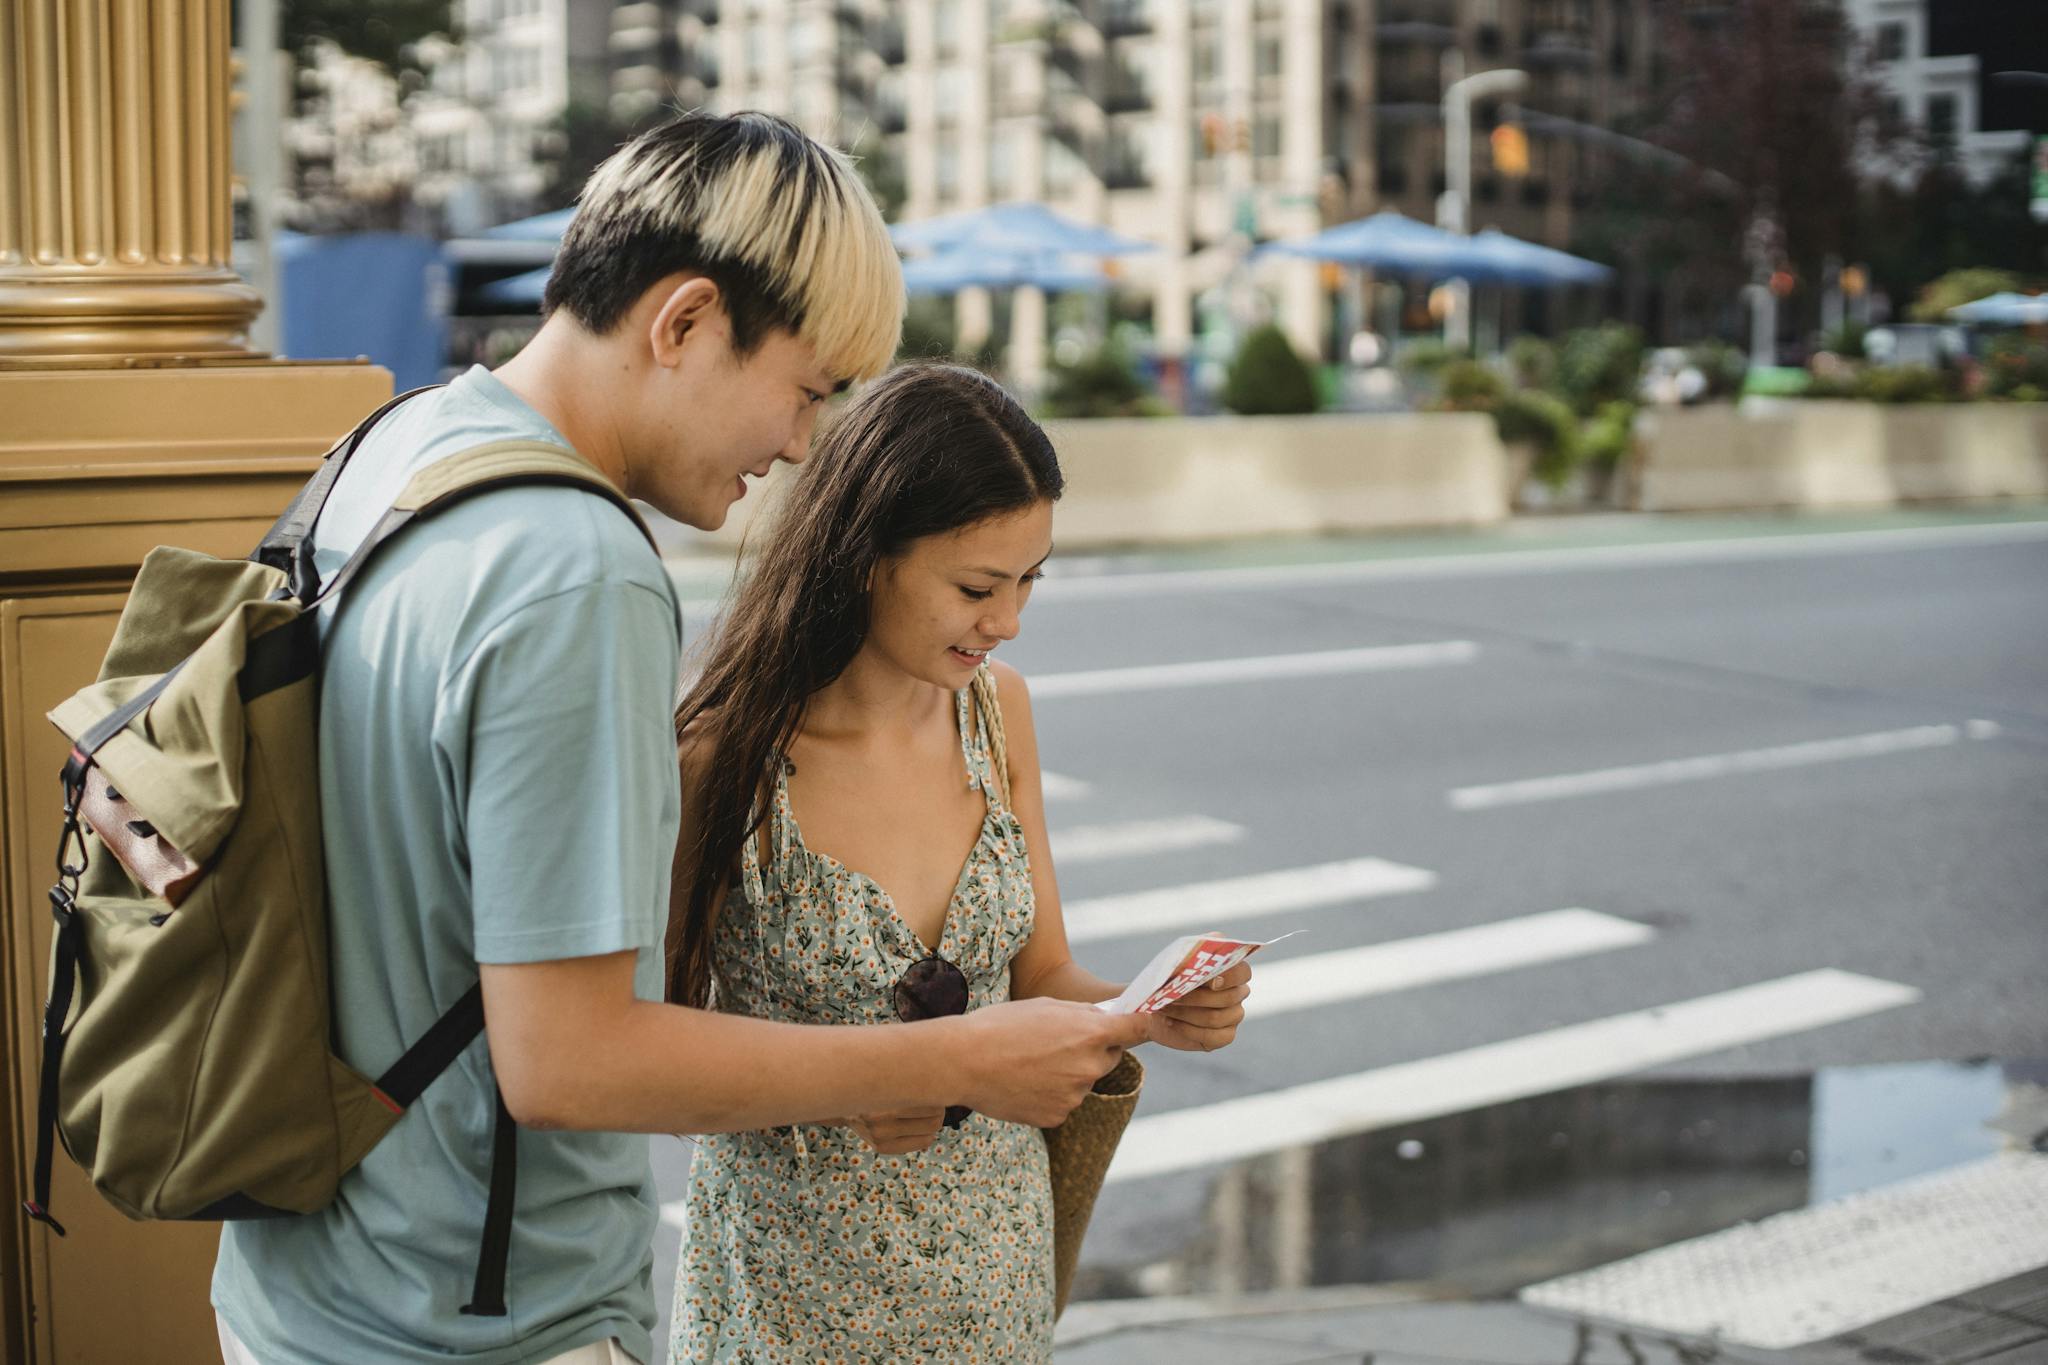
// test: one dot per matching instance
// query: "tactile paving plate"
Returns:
(1804, 1276)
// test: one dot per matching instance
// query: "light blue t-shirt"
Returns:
(498, 783)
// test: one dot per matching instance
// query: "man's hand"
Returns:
(1207, 1017)
(910, 1130)
(1033, 1061)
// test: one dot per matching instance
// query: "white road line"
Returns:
(1482, 563)
(1298, 983)
(1536, 1064)
(1810, 1274)
(1634, 776)
(1204, 672)
(1058, 787)
(1226, 903)
(1136, 838)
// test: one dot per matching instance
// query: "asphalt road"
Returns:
(1793, 791)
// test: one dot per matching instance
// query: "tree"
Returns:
(383, 31)
(1772, 111)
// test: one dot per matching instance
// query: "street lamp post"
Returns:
(1453, 209)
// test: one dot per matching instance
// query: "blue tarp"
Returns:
(376, 294)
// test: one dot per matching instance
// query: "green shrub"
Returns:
(1533, 361)
(1605, 441)
(1598, 365)
(1723, 365)
(1906, 384)
(1470, 386)
(1424, 359)
(1102, 383)
(1545, 421)
(2014, 366)
(1268, 376)
(1845, 341)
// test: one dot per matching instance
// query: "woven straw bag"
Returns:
(1079, 1150)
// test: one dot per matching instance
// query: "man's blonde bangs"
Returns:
(808, 229)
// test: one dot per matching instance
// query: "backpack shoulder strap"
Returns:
(464, 475)
(283, 546)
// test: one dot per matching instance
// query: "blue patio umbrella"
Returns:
(1494, 257)
(2006, 309)
(1386, 241)
(542, 227)
(1389, 242)
(949, 272)
(518, 291)
(1014, 228)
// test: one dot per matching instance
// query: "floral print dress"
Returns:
(803, 1246)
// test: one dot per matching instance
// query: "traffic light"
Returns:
(1510, 150)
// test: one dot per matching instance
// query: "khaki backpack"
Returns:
(188, 1059)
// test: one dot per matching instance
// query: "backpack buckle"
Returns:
(63, 908)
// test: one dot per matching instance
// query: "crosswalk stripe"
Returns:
(1259, 668)
(1538, 1063)
(1058, 787)
(1803, 1276)
(1136, 838)
(1298, 983)
(1225, 903)
(1664, 773)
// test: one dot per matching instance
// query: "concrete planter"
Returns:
(1140, 481)
(1826, 453)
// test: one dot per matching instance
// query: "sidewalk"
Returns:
(1999, 1324)
(1939, 1269)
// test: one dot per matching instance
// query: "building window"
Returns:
(1941, 116)
(947, 25)
(1207, 50)
(949, 167)
(1270, 56)
(1891, 42)
(1266, 137)
(946, 91)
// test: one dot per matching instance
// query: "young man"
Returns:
(500, 794)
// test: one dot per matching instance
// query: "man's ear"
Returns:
(690, 313)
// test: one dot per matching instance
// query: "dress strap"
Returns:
(781, 837)
(979, 741)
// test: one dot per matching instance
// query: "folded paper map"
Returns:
(1181, 966)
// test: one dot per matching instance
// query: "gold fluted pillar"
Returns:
(132, 414)
(115, 217)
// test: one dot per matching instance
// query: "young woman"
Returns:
(849, 857)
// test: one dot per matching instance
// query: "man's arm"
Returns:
(574, 1049)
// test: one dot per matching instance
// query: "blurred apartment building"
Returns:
(1197, 124)
(1938, 61)
(494, 103)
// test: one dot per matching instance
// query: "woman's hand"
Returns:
(1207, 1017)
(910, 1130)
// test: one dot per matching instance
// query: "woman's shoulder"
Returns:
(1009, 682)
(697, 743)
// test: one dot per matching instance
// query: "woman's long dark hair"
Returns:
(924, 450)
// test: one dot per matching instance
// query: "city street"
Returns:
(1642, 887)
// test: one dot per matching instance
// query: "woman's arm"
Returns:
(1045, 966)
(1203, 1022)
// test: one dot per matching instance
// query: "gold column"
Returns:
(132, 414)
(115, 215)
